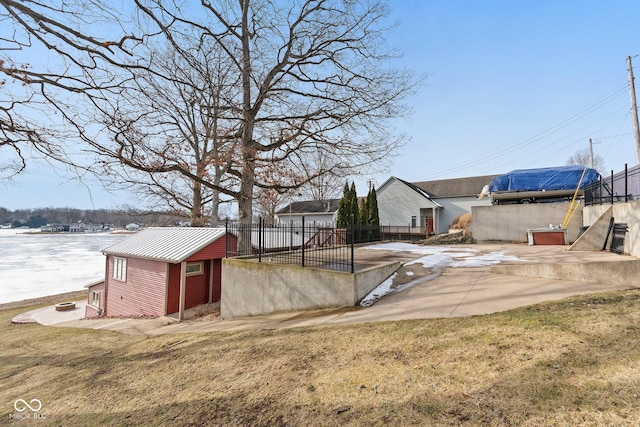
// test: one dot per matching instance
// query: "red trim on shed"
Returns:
(217, 249)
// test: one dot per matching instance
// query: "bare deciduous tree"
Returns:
(583, 157)
(179, 121)
(325, 186)
(315, 77)
(40, 104)
(314, 71)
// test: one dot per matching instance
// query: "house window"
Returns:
(120, 269)
(195, 268)
(95, 299)
(413, 221)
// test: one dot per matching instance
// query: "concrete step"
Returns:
(619, 272)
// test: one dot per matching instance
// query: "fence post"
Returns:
(226, 238)
(303, 241)
(611, 186)
(626, 183)
(290, 235)
(600, 193)
(352, 241)
(260, 239)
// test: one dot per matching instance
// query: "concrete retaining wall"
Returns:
(250, 288)
(623, 272)
(622, 212)
(593, 238)
(510, 223)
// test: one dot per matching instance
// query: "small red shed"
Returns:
(161, 271)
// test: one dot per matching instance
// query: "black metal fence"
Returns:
(403, 232)
(310, 243)
(623, 186)
(306, 244)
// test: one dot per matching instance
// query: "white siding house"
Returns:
(403, 204)
(430, 204)
(319, 211)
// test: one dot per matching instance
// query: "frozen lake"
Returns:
(36, 265)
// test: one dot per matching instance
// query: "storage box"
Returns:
(547, 236)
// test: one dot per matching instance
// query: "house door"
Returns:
(427, 224)
(430, 225)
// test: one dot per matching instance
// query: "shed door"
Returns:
(196, 292)
(197, 288)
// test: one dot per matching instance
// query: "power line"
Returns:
(532, 139)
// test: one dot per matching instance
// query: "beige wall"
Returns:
(622, 272)
(622, 212)
(510, 223)
(250, 288)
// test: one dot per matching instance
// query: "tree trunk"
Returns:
(245, 196)
(245, 204)
(215, 208)
(197, 219)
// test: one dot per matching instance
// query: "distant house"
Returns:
(132, 227)
(88, 228)
(54, 228)
(429, 206)
(318, 211)
(161, 271)
(94, 228)
(77, 228)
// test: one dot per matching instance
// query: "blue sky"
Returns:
(516, 85)
(511, 85)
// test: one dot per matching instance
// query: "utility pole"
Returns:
(634, 110)
(593, 163)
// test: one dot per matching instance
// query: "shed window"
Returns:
(195, 268)
(95, 299)
(120, 269)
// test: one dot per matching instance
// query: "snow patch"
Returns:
(436, 258)
(383, 289)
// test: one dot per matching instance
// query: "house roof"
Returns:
(311, 207)
(169, 244)
(415, 188)
(457, 187)
(426, 196)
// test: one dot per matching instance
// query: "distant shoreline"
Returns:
(79, 233)
(67, 296)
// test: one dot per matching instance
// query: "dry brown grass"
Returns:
(461, 222)
(205, 312)
(574, 362)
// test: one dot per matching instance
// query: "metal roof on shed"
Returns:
(170, 244)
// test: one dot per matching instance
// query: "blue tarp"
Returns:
(544, 179)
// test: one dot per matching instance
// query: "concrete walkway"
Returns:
(457, 292)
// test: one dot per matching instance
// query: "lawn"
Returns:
(572, 362)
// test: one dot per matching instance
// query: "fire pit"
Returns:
(65, 306)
